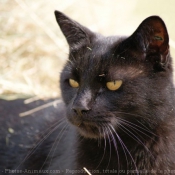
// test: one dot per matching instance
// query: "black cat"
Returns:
(118, 95)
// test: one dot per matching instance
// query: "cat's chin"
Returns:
(94, 129)
(91, 131)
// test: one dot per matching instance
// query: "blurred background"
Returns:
(33, 49)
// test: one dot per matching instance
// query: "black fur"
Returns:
(127, 131)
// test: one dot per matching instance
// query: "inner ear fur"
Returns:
(153, 37)
(75, 34)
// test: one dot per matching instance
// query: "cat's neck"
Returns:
(132, 152)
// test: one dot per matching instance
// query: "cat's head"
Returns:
(109, 81)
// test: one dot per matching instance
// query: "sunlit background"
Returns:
(33, 49)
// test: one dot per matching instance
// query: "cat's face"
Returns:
(108, 81)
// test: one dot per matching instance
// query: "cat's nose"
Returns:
(81, 104)
(80, 110)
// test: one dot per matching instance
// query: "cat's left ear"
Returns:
(152, 37)
(76, 34)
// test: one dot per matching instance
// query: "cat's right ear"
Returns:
(76, 34)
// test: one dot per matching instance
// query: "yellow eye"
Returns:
(114, 85)
(73, 83)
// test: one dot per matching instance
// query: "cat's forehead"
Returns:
(102, 45)
(100, 50)
(124, 72)
(102, 59)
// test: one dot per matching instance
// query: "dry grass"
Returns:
(30, 56)
(33, 50)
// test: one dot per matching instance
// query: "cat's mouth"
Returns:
(93, 126)
(90, 129)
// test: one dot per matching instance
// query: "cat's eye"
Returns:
(114, 85)
(73, 83)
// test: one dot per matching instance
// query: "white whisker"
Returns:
(103, 131)
(147, 130)
(125, 147)
(62, 131)
(55, 125)
(107, 132)
(134, 127)
(134, 137)
(116, 149)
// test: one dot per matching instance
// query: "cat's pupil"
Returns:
(114, 85)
